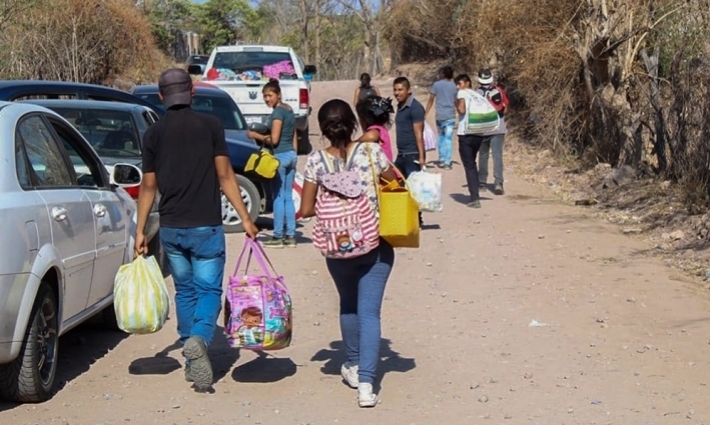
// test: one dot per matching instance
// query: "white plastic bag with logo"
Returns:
(426, 189)
(140, 297)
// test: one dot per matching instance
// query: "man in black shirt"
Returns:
(185, 156)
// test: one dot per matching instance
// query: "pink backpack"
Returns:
(346, 226)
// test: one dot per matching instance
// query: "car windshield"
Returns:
(198, 60)
(221, 107)
(111, 133)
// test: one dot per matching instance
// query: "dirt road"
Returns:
(522, 312)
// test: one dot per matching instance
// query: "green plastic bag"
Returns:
(140, 297)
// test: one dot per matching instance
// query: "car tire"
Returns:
(231, 222)
(30, 377)
(304, 142)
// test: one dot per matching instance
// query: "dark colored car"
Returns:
(197, 62)
(115, 130)
(12, 90)
(217, 102)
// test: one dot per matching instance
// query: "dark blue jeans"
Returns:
(196, 258)
(361, 285)
(405, 163)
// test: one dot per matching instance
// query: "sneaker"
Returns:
(365, 397)
(474, 204)
(499, 189)
(349, 373)
(448, 167)
(289, 242)
(274, 243)
(195, 350)
(482, 185)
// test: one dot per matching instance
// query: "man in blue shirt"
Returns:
(409, 121)
(444, 92)
(410, 129)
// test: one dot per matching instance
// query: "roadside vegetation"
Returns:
(621, 82)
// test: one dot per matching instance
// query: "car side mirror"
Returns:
(260, 128)
(194, 70)
(126, 174)
(310, 69)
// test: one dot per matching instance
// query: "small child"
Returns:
(374, 116)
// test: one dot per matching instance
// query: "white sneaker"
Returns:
(365, 397)
(349, 374)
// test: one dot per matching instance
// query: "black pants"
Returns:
(468, 150)
(405, 163)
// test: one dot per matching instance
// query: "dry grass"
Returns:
(94, 41)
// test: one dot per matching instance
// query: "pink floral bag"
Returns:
(257, 308)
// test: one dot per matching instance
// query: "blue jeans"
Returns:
(196, 258)
(446, 135)
(282, 186)
(361, 282)
(491, 145)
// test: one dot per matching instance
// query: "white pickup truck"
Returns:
(243, 70)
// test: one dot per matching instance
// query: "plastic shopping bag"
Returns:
(430, 138)
(426, 189)
(257, 308)
(140, 297)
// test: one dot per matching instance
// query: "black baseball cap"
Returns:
(175, 85)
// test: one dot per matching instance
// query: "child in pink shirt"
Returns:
(374, 115)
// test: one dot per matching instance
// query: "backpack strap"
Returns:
(351, 155)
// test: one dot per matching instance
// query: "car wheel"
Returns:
(231, 222)
(304, 142)
(30, 378)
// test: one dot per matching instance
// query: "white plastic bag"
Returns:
(430, 138)
(140, 297)
(426, 189)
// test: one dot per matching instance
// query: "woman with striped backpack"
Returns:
(339, 190)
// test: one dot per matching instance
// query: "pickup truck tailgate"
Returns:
(248, 95)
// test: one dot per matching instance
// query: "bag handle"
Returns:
(258, 252)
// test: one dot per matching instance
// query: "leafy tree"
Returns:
(222, 22)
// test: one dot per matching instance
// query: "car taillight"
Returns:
(303, 99)
(134, 191)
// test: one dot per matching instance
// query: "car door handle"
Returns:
(99, 210)
(59, 213)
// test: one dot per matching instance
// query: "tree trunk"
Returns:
(659, 141)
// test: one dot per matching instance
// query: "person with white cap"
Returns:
(493, 141)
(185, 157)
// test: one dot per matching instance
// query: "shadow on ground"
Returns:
(221, 354)
(464, 199)
(390, 360)
(265, 368)
(78, 350)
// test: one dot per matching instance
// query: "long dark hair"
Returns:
(365, 81)
(373, 110)
(337, 123)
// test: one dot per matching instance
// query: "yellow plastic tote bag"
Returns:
(140, 297)
(399, 211)
(262, 164)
